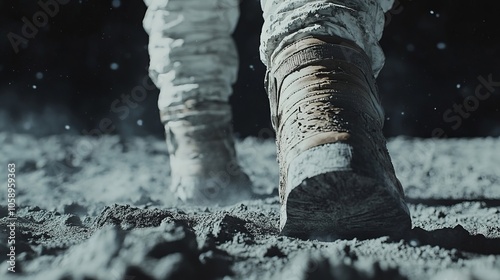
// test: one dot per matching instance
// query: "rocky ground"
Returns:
(97, 208)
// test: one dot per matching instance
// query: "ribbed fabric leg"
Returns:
(359, 21)
(194, 62)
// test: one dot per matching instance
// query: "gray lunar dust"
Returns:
(98, 208)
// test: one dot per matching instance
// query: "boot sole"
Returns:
(343, 204)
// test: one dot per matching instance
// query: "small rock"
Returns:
(72, 220)
(274, 251)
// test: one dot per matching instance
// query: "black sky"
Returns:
(91, 52)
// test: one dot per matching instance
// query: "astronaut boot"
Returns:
(203, 160)
(336, 176)
(194, 62)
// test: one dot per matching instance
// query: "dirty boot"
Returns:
(336, 176)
